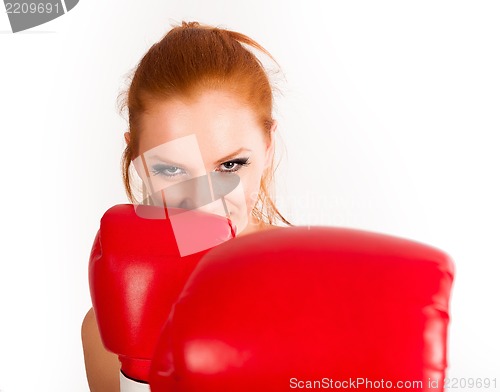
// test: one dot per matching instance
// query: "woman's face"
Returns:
(188, 150)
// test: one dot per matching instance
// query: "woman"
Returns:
(199, 106)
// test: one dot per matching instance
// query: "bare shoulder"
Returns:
(102, 367)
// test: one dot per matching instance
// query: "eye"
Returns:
(167, 170)
(234, 165)
(229, 165)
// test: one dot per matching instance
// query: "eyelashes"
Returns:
(171, 171)
(235, 165)
(166, 170)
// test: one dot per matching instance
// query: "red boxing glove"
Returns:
(299, 308)
(136, 273)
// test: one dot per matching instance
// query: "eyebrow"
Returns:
(220, 161)
(230, 156)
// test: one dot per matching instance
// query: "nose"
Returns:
(201, 195)
(205, 193)
(215, 207)
(190, 194)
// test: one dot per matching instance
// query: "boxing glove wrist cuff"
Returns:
(135, 369)
(128, 385)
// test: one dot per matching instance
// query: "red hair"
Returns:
(192, 58)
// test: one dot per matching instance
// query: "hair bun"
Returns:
(190, 24)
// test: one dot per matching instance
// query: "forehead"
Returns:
(218, 120)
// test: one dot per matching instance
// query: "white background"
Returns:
(389, 113)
